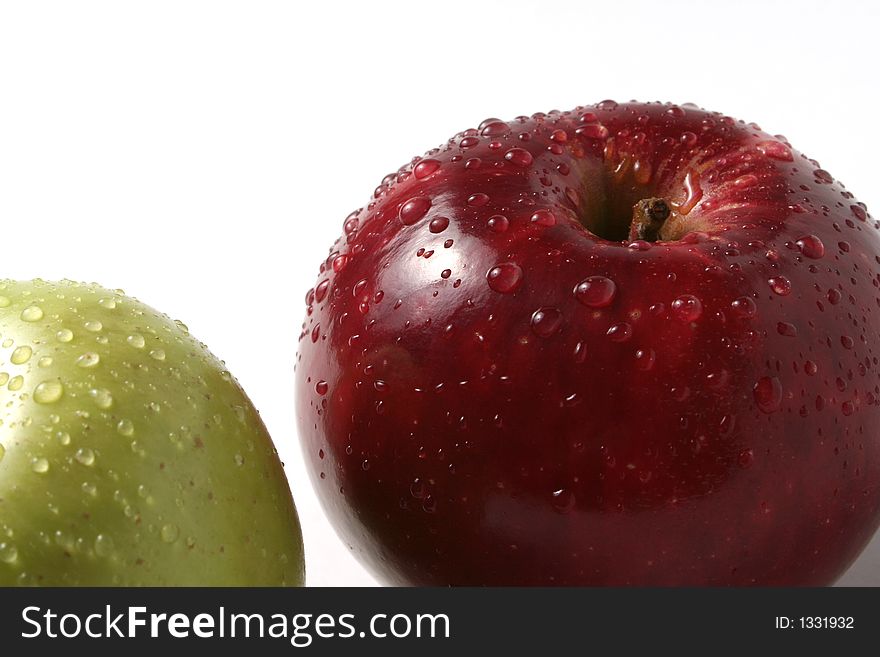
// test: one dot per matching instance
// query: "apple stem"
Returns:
(649, 215)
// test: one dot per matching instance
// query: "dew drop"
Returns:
(811, 246)
(518, 156)
(21, 355)
(477, 200)
(495, 129)
(438, 224)
(15, 383)
(425, 168)
(645, 359)
(780, 285)
(157, 354)
(85, 456)
(620, 332)
(64, 335)
(32, 314)
(688, 138)
(776, 150)
(39, 465)
(596, 292)
(543, 218)
(88, 360)
(687, 308)
(48, 392)
(546, 321)
(93, 325)
(169, 533)
(786, 329)
(744, 307)
(768, 394)
(563, 500)
(414, 209)
(505, 277)
(125, 427)
(498, 223)
(859, 212)
(321, 290)
(748, 180)
(592, 131)
(102, 397)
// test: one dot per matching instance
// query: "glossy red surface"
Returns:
(496, 387)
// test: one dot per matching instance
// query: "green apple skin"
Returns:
(129, 456)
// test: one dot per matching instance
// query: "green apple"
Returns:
(128, 454)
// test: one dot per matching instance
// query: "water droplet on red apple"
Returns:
(768, 394)
(414, 209)
(321, 290)
(473, 163)
(477, 200)
(748, 180)
(776, 150)
(596, 291)
(687, 308)
(780, 285)
(688, 138)
(425, 168)
(859, 212)
(495, 129)
(543, 218)
(316, 332)
(744, 307)
(498, 223)
(811, 368)
(811, 246)
(645, 359)
(505, 278)
(823, 176)
(546, 321)
(321, 387)
(518, 156)
(580, 352)
(833, 296)
(469, 142)
(787, 329)
(438, 224)
(607, 105)
(559, 136)
(746, 458)
(563, 500)
(620, 332)
(592, 131)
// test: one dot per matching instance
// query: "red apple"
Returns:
(630, 344)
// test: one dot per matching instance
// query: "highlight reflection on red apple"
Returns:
(630, 344)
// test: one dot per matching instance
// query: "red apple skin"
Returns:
(711, 419)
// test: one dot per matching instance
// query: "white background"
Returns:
(202, 155)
